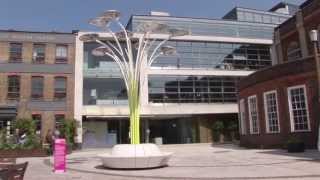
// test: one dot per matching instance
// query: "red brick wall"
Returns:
(280, 84)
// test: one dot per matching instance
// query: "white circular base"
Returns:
(135, 156)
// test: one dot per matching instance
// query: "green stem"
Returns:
(134, 106)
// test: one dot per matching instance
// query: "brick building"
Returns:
(282, 101)
(36, 77)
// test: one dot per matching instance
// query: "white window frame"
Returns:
(290, 108)
(266, 111)
(250, 116)
(242, 117)
(61, 51)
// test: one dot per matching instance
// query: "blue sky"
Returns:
(66, 15)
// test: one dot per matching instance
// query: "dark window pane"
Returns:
(61, 54)
(38, 55)
(15, 52)
(60, 85)
(37, 119)
(58, 120)
(13, 87)
(36, 87)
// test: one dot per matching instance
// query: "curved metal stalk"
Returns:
(156, 49)
(131, 69)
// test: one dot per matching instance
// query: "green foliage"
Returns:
(32, 142)
(27, 126)
(68, 131)
(218, 126)
(24, 126)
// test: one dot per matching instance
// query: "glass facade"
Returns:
(192, 89)
(209, 27)
(102, 84)
(102, 78)
(214, 55)
(260, 17)
(104, 91)
(99, 67)
(257, 16)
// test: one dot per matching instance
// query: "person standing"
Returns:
(50, 140)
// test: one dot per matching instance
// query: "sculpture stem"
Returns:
(134, 106)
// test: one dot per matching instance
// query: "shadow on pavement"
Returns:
(309, 155)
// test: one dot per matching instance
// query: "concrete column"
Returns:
(78, 87)
(302, 35)
(144, 94)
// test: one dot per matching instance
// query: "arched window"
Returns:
(293, 51)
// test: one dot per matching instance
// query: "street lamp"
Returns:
(132, 64)
(314, 37)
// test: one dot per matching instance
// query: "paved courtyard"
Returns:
(194, 161)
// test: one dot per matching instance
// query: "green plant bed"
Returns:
(18, 153)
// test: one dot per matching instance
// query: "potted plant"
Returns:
(295, 145)
(217, 131)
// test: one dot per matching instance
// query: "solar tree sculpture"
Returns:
(132, 51)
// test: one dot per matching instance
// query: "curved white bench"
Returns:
(135, 156)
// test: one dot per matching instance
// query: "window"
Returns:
(293, 51)
(253, 114)
(299, 116)
(13, 87)
(15, 52)
(38, 55)
(3, 124)
(242, 116)
(192, 89)
(36, 87)
(271, 112)
(61, 54)
(60, 87)
(58, 120)
(37, 120)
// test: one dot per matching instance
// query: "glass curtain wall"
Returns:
(192, 89)
(214, 55)
(102, 84)
(209, 27)
(104, 91)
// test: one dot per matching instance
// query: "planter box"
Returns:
(295, 147)
(17, 153)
